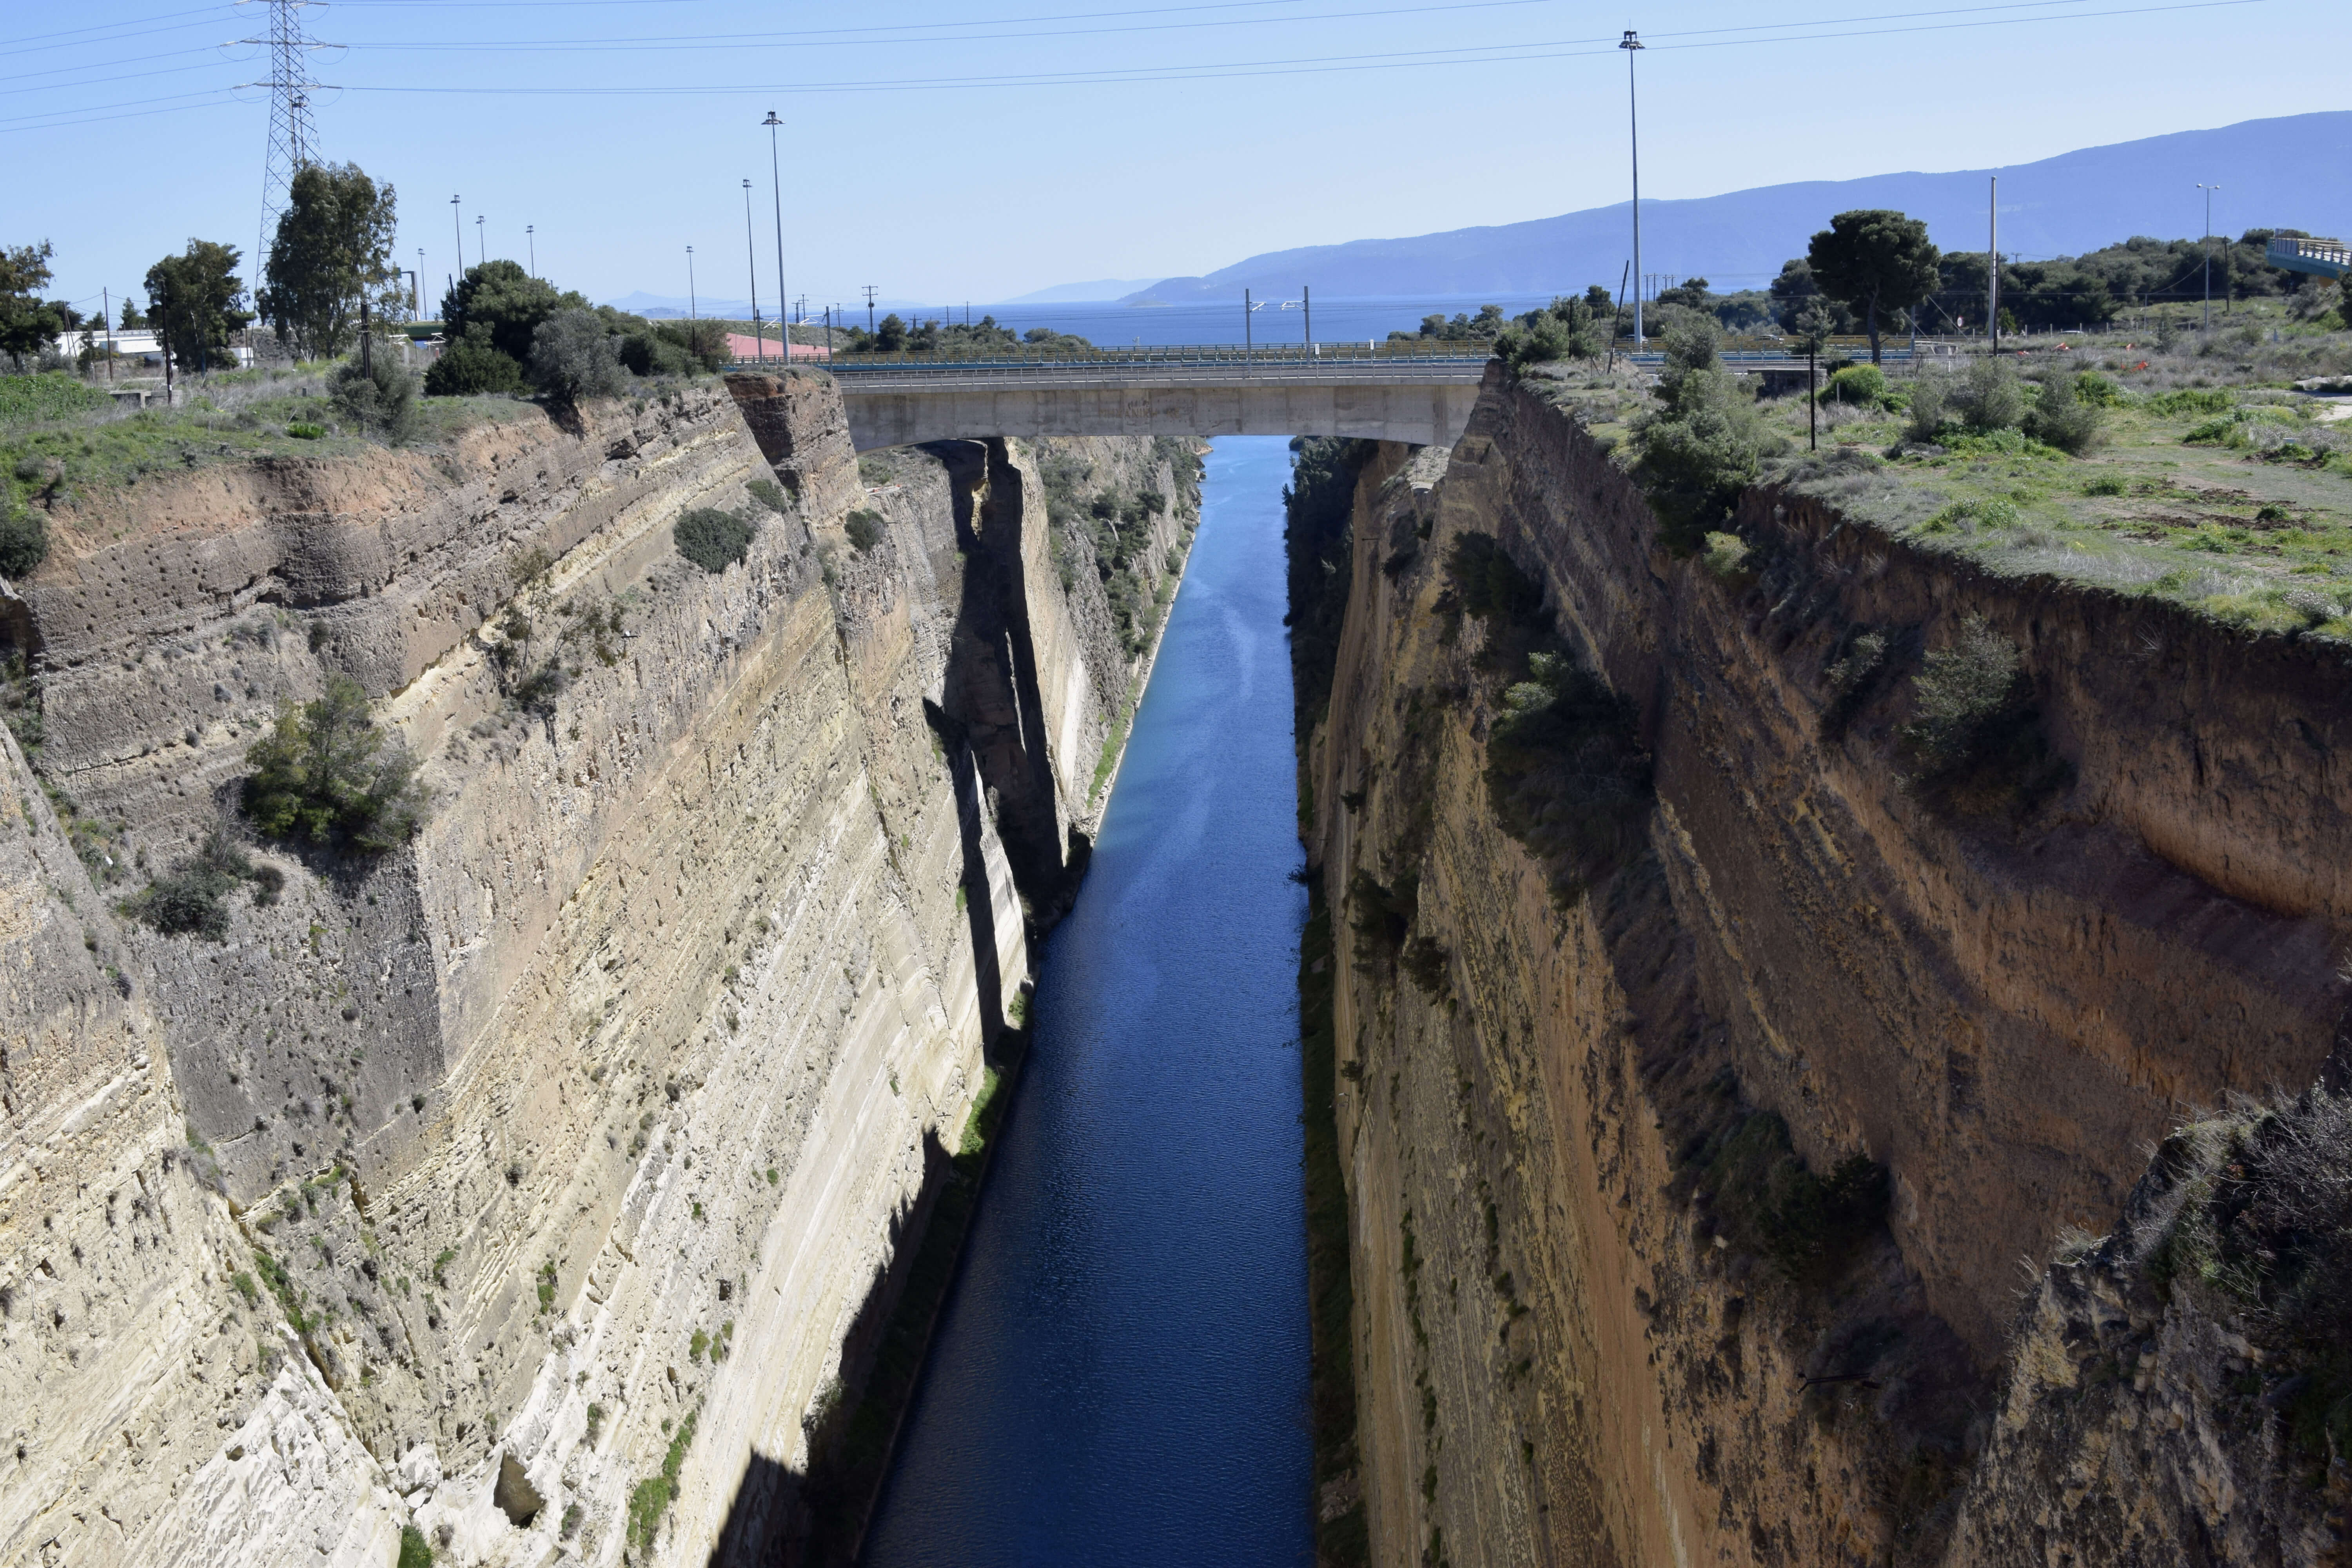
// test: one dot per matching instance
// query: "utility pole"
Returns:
(775, 174)
(1306, 304)
(531, 237)
(1812, 408)
(692, 312)
(419, 275)
(1246, 309)
(828, 331)
(481, 243)
(367, 359)
(869, 310)
(1992, 269)
(1632, 43)
(751, 260)
(106, 314)
(459, 224)
(2208, 191)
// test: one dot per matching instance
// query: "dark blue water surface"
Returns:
(1120, 1372)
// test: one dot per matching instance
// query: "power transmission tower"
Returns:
(293, 135)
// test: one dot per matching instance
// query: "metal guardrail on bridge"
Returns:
(2320, 257)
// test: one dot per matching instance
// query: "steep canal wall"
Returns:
(528, 1184)
(1700, 1080)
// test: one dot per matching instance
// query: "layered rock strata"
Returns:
(528, 1186)
(1562, 1355)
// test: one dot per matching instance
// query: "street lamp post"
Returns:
(481, 242)
(420, 283)
(692, 314)
(1630, 43)
(531, 237)
(751, 260)
(775, 174)
(459, 224)
(2208, 191)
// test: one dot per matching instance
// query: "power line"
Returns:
(1486, 54)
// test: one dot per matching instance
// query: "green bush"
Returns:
(573, 357)
(1989, 396)
(416, 1552)
(1726, 557)
(192, 897)
(24, 541)
(1862, 385)
(1707, 444)
(1570, 327)
(713, 540)
(470, 366)
(1976, 738)
(2064, 418)
(2099, 390)
(1772, 1206)
(768, 493)
(303, 430)
(864, 530)
(326, 773)
(2188, 400)
(380, 397)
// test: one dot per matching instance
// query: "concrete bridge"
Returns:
(899, 401)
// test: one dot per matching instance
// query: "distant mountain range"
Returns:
(2288, 172)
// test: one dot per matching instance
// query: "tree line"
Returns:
(329, 271)
(1874, 271)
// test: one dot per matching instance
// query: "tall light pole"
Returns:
(1992, 266)
(459, 224)
(531, 237)
(692, 314)
(775, 174)
(420, 282)
(1631, 43)
(481, 241)
(2208, 191)
(751, 260)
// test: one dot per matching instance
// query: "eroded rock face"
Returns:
(455, 1187)
(1562, 1356)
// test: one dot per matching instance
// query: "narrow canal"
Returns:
(1120, 1372)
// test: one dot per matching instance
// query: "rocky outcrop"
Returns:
(532, 1183)
(1623, 1291)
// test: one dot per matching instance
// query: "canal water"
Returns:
(1120, 1375)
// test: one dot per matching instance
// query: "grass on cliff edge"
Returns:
(58, 447)
(2211, 480)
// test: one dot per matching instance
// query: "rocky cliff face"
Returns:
(1706, 1067)
(532, 1183)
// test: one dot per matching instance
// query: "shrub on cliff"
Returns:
(24, 541)
(1566, 773)
(1706, 444)
(1976, 741)
(325, 772)
(470, 366)
(1770, 1205)
(380, 396)
(864, 530)
(192, 896)
(713, 540)
(2248, 1219)
(676, 348)
(573, 357)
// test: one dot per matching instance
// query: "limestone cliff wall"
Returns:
(1561, 1356)
(468, 1182)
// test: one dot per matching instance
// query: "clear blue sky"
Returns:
(1140, 142)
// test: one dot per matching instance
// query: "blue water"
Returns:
(1120, 1375)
